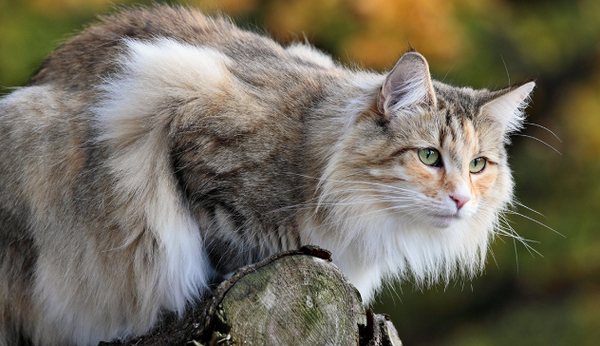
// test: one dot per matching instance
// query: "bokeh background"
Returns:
(546, 296)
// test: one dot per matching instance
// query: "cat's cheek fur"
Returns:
(485, 181)
(428, 179)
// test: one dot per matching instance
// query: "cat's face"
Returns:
(427, 152)
(434, 167)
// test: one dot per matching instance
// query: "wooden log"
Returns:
(292, 298)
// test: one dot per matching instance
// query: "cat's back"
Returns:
(80, 60)
(96, 54)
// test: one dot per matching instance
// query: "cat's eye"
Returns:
(430, 157)
(477, 165)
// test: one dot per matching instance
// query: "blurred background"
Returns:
(547, 295)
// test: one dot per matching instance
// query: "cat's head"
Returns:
(430, 158)
(447, 144)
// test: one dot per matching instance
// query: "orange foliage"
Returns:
(383, 29)
(291, 19)
(373, 33)
(390, 25)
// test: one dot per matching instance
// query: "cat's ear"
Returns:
(407, 86)
(507, 108)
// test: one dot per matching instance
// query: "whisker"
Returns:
(491, 252)
(311, 202)
(523, 242)
(450, 69)
(507, 230)
(506, 68)
(510, 232)
(516, 254)
(530, 209)
(358, 189)
(539, 140)
(543, 127)
(535, 221)
(503, 228)
(355, 182)
(397, 208)
(308, 205)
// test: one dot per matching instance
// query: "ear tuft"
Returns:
(408, 86)
(508, 108)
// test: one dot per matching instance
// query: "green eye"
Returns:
(430, 157)
(477, 165)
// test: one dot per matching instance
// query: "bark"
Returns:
(291, 298)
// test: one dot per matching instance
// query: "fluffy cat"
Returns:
(160, 149)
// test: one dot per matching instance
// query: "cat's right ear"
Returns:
(407, 86)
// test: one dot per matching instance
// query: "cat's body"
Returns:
(160, 149)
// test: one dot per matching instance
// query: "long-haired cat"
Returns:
(161, 149)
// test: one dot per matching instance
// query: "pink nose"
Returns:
(460, 200)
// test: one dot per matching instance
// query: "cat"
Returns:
(160, 149)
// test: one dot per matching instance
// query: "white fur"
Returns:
(371, 242)
(137, 108)
(133, 123)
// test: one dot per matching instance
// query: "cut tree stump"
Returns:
(291, 298)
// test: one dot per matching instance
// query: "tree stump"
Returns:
(292, 298)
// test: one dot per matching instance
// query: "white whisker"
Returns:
(541, 141)
(528, 208)
(516, 254)
(544, 128)
(508, 230)
(535, 221)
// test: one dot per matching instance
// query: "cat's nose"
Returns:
(460, 200)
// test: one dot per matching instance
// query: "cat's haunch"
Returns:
(161, 149)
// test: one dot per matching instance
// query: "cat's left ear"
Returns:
(507, 109)
(407, 86)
